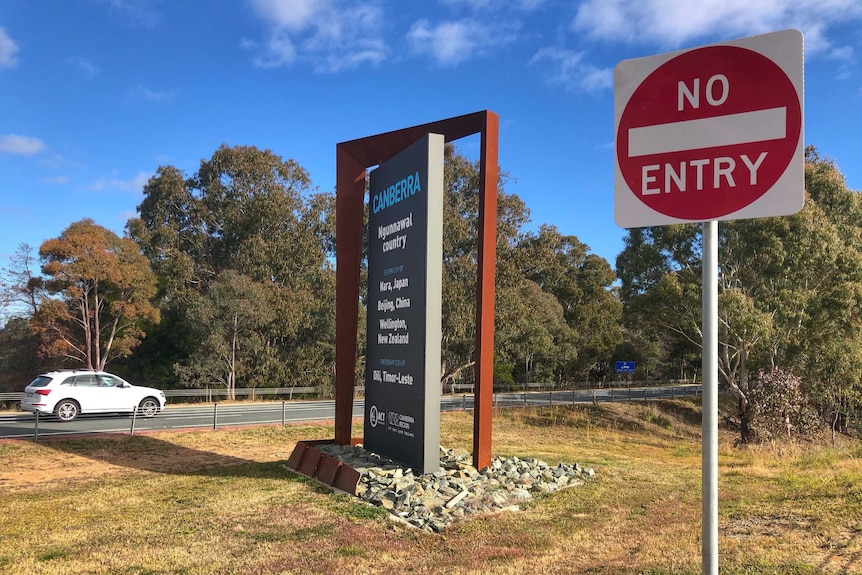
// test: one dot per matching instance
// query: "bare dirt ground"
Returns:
(186, 451)
(58, 465)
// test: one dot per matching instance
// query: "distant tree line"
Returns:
(227, 277)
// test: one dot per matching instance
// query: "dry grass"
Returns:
(222, 502)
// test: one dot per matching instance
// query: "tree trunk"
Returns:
(85, 323)
(747, 433)
(835, 425)
(231, 378)
(97, 328)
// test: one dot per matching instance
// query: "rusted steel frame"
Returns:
(349, 207)
(352, 160)
(484, 368)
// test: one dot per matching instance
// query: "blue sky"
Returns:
(96, 94)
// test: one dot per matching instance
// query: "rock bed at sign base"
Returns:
(458, 490)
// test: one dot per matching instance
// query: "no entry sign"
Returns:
(712, 133)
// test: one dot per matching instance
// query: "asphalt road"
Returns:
(24, 425)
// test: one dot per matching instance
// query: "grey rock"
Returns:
(458, 490)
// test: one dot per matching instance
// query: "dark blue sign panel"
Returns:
(625, 367)
(405, 258)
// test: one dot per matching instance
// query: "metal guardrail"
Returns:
(213, 394)
(209, 394)
(567, 385)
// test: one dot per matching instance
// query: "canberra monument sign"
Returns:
(405, 258)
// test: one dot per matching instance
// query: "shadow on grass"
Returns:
(149, 453)
(687, 411)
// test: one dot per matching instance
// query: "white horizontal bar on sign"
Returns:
(728, 130)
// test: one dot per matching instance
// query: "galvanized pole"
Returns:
(709, 471)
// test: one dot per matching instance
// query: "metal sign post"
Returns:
(709, 449)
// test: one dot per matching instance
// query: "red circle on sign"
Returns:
(698, 139)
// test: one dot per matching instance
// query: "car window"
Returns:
(87, 381)
(110, 380)
(69, 380)
(40, 381)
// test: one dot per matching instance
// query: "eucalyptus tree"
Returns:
(460, 260)
(833, 323)
(787, 286)
(21, 288)
(21, 291)
(539, 342)
(556, 315)
(248, 211)
(19, 360)
(582, 284)
(100, 290)
(231, 320)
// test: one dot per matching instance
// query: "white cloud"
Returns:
(136, 13)
(330, 35)
(293, 15)
(20, 145)
(87, 68)
(494, 5)
(280, 51)
(56, 180)
(144, 93)
(8, 50)
(452, 42)
(844, 53)
(112, 183)
(671, 24)
(846, 61)
(676, 23)
(570, 70)
(56, 161)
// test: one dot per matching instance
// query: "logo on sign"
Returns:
(398, 420)
(377, 417)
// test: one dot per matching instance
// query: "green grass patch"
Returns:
(351, 507)
(655, 417)
(55, 553)
(351, 551)
(314, 533)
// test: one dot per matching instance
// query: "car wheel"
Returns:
(67, 410)
(149, 406)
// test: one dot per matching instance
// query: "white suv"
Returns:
(70, 393)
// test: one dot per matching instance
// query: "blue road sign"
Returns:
(625, 367)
